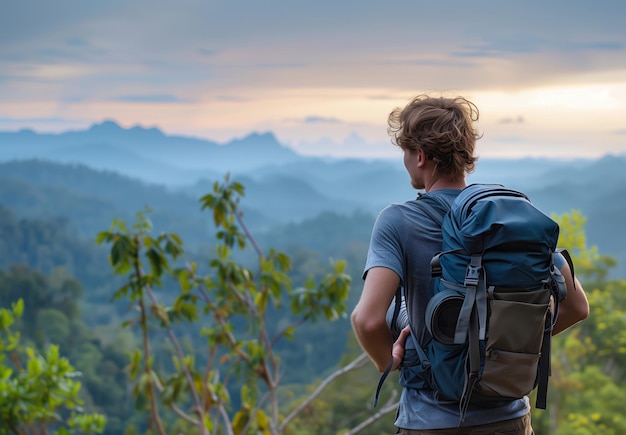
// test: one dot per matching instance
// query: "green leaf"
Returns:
(157, 261)
(18, 308)
(260, 301)
(104, 236)
(240, 420)
(184, 282)
(121, 248)
(173, 249)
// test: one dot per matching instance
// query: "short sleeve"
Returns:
(559, 261)
(385, 249)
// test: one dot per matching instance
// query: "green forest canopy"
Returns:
(43, 259)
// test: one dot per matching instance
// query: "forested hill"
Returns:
(90, 199)
(106, 171)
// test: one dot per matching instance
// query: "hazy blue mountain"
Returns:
(282, 198)
(524, 173)
(146, 153)
(142, 166)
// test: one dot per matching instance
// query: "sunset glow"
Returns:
(322, 83)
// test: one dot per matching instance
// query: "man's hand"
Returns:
(397, 351)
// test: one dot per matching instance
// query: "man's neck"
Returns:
(445, 183)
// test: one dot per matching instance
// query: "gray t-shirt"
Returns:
(404, 239)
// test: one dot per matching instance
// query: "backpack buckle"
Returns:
(472, 275)
(435, 266)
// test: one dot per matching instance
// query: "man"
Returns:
(437, 136)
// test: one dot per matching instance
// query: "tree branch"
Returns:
(154, 411)
(281, 333)
(226, 418)
(181, 357)
(356, 363)
(389, 407)
(177, 347)
(182, 414)
(245, 229)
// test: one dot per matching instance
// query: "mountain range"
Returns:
(107, 171)
(146, 153)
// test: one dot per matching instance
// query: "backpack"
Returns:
(489, 319)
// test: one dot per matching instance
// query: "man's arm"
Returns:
(574, 307)
(368, 317)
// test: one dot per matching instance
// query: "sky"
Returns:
(549, 77)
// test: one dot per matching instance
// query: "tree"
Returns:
(587, 388)
(193, 393)
(41, 394)
(52, 316)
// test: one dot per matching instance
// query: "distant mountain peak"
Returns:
(266, 137)
(147, 130)
(265, 140)
(354, 139)
(108, 126)
(148, 153)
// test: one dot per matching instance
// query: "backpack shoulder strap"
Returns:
(435, 207)
(560, 292)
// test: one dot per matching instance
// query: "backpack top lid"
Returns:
(515, 238)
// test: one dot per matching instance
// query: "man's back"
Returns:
(404, 239)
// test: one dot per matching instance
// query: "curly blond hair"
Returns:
(442, 127)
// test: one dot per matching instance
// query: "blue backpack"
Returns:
(489, 319)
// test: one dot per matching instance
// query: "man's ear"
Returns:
(421, 158)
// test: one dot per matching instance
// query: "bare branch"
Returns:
(390, 407)
(281, 333)
(356, 363)
(226, 418)
(154, 411)
(220, 320)
(245, 229)
(182, 414)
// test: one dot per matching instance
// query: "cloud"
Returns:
(500, 48)
(529, 44)
(351, 145)
(231, 99)
(8, 120)
(151, 98)
(381, 97)
(41, 124)
(77, 42)
(54, 54)
(322, 120)
(206, 52)
(517, 120)
(444, 62)
(600, 45)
